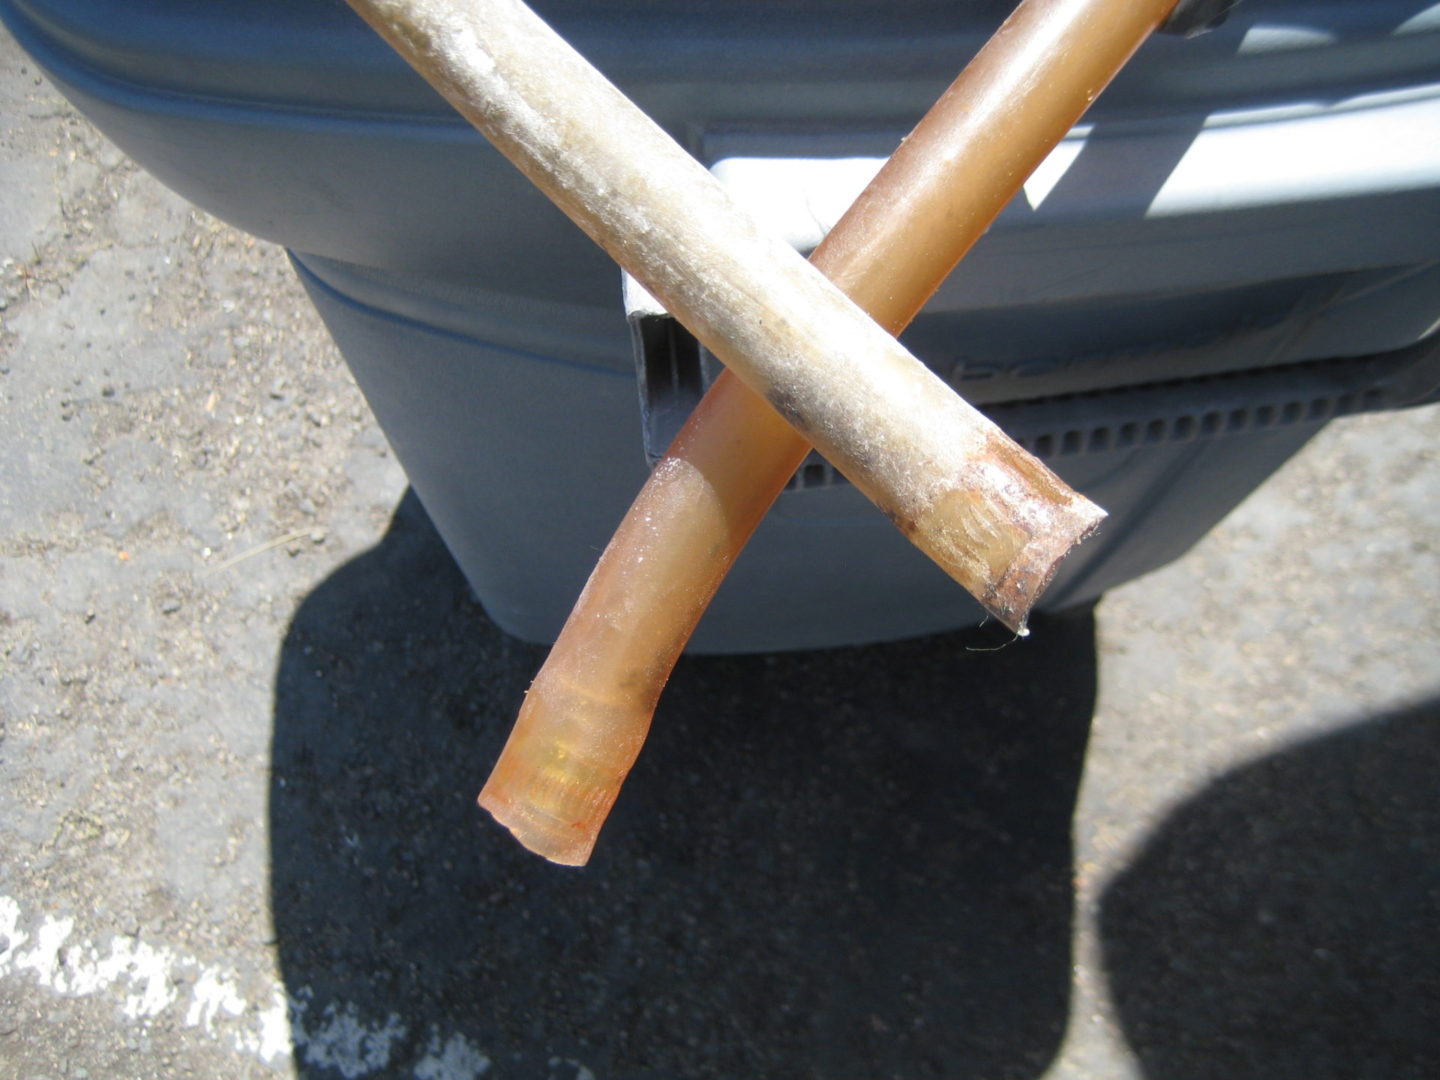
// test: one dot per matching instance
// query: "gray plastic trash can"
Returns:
(1240, 243)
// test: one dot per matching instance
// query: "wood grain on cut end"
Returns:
(969, 535)
(1004, 541)
(1027, 578)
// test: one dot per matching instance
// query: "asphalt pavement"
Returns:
(246, 702)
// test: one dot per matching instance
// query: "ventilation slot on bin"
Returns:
(674, 370)
(1165, 413)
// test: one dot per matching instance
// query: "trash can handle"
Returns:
(1190, 18)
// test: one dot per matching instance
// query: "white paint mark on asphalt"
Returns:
(343, 1041)
(146, 981)
(80, 970)
(144, 968)
(270, 1036)
(212, 994)
(455, 1059)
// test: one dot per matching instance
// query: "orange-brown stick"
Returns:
(589, 710)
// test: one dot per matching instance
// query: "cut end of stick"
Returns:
(1033, 569)
(561, 842)
(563, 765)
(1004, 534)
(1029, 565)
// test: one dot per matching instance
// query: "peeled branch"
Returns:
(996, 519)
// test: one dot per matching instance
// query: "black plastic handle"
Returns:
(1193, 17)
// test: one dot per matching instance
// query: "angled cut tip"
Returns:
(568, 844)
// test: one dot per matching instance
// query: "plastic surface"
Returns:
(1167, 254)
(1167, 460)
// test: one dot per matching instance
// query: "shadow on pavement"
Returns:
(1285, 922)
(845, 863)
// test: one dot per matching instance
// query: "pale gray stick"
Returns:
(996, 519)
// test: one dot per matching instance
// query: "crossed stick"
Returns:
(805, 365)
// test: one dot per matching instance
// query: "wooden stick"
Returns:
(995, 518)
